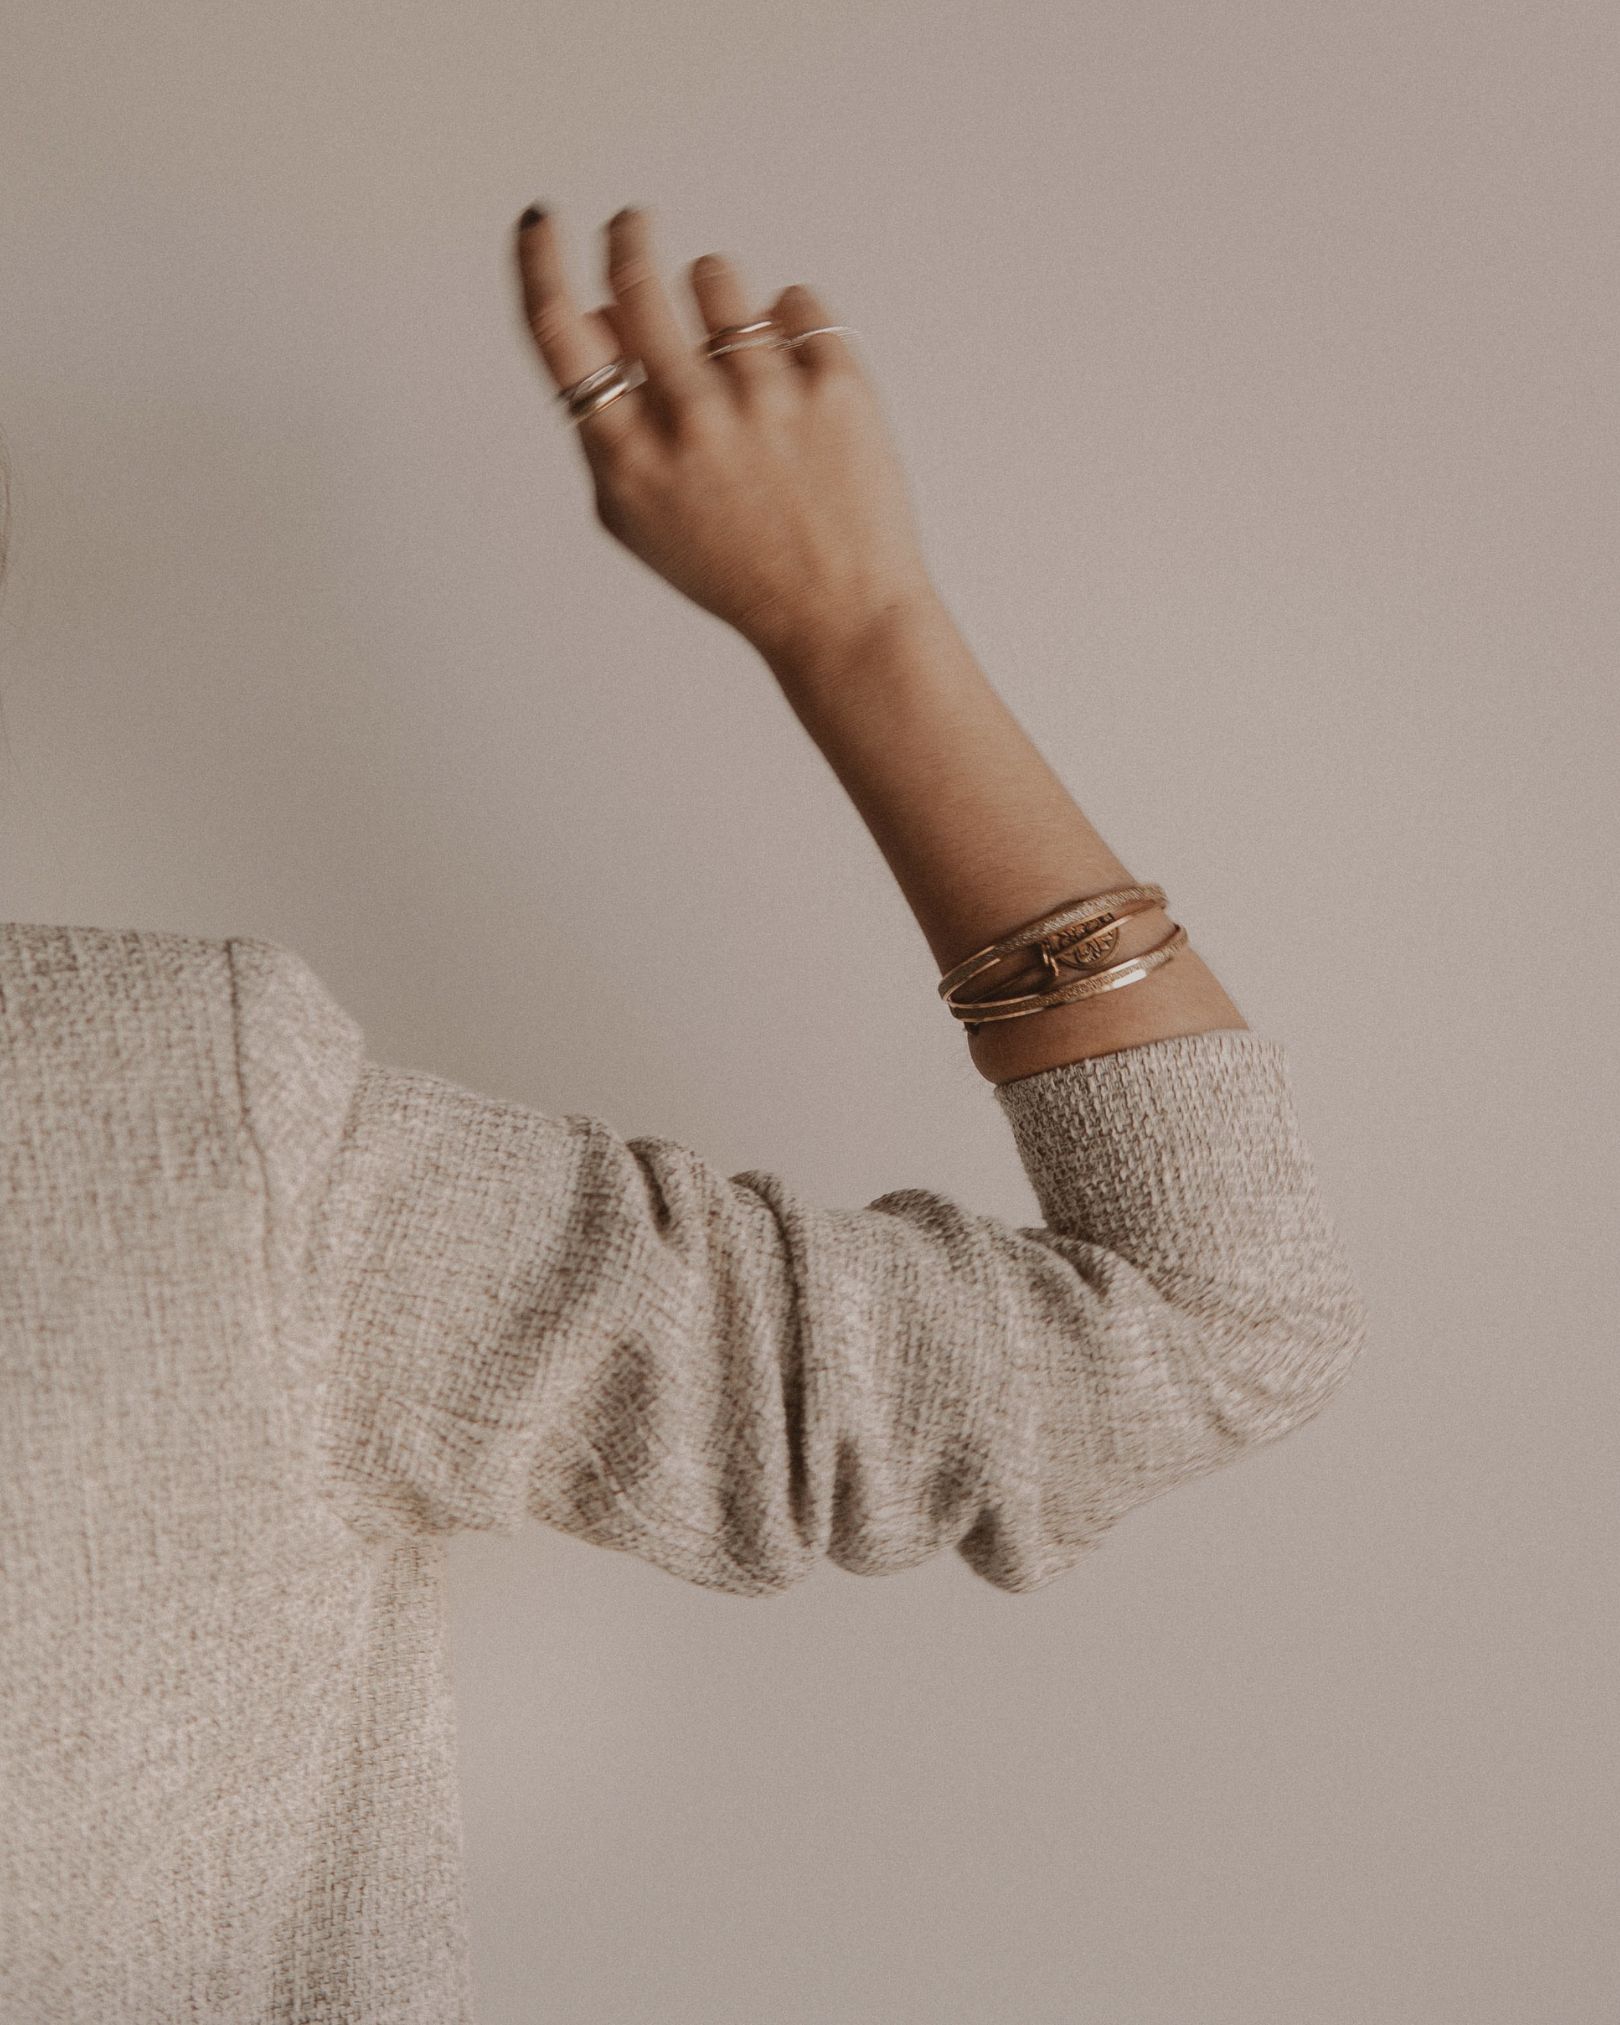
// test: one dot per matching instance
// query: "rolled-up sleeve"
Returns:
(522, 1315)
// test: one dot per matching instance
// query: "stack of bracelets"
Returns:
(1070, 943)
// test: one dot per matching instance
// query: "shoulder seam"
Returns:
(272, 1292)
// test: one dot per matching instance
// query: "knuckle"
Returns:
(838, 374)
(616, 459)
(696, 413)
(548, 321)
(619, 468)
(767, 397)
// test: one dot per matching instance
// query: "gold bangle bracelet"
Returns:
(1061, 959)
(1131, 971)
(1063, 930)
(1096, 912)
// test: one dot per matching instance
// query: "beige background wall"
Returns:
(1254, 368)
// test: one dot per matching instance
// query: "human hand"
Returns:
(762, 484)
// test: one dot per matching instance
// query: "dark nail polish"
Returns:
(530, 217)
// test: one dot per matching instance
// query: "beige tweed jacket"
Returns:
(277, 1320)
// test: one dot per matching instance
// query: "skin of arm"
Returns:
(765, 486)
(980, 833)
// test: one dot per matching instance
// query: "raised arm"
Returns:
(762, 482)
(517, 1315)
(981, 834)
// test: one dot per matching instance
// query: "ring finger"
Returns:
(718, 291)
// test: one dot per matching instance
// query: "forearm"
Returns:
(982, 836)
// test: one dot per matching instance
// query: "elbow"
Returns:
(1333, 1336)
(1340, 1347)
(1326, 1357)
(1264, 1376)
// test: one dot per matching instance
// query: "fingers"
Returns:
(798, 309)
(572, 343)
(723, 304)
(601, 320)
(639, 323)
(644, 313)
(570, 348)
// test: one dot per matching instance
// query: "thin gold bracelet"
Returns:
(975, 1013)
(1080, 933)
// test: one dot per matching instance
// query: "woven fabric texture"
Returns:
(277, 1319)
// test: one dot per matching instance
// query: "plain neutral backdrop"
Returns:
(1254, 370)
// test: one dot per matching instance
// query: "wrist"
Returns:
(834, 648)
(1182, 997)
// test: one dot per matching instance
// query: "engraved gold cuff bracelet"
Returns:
(1069, 944)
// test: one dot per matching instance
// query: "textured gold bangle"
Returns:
(975, 1013)
(1081, 931)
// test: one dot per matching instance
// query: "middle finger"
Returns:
(645, 315)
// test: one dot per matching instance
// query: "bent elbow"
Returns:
(1262, 1378)
(1336, 1348)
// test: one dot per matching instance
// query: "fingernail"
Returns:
(530, 217)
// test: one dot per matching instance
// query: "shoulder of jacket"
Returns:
(280, 996)
(300, 1055)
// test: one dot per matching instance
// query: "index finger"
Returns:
(570, 344)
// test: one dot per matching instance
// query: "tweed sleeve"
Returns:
(525, 1316)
